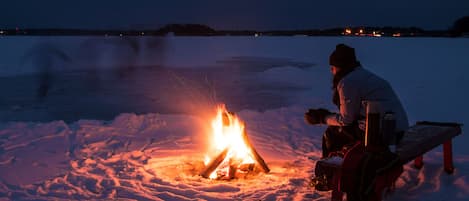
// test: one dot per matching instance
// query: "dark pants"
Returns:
(335, 138)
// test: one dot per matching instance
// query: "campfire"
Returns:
(235, 156)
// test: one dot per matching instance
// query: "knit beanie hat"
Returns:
(343, 57)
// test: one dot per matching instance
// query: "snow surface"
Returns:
(128, 118)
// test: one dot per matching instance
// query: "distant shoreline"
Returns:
(203, 30)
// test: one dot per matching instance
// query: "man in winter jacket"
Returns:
(353, 87)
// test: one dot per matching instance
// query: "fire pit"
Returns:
(235, 156)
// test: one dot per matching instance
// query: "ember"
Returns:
(236, 157)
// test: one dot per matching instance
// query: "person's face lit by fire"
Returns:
(334, 70)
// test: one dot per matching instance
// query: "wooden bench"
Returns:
(417, 140)
(425, 136)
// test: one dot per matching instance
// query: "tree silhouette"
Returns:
(188, 29)
(461, 26)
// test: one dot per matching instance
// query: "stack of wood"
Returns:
(236, 169)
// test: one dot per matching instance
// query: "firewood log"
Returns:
(214, 164)
(256, 155)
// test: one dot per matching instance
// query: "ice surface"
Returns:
(128, 117)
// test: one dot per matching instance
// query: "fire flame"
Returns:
(228, 133)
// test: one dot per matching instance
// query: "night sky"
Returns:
(235, 14)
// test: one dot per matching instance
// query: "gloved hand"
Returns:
(316, 116)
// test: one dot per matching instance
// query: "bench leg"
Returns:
(418, 162)
(336, 195)
(448, 157)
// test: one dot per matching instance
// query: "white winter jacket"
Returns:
(360, 86)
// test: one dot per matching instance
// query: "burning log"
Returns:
(246, 167)
(239, 157)
(232, 171)
(258, 158)
(214, 164)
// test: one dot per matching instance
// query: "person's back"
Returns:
(366, 86)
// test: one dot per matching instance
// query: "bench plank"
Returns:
(423, 137)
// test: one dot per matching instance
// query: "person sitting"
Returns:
(353, 86)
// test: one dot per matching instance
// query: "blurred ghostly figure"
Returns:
(45, 82)
(111, 60)
(127, 69)
(108, 58)
(154, 48)
(46, 59)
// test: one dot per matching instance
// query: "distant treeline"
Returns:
(459, 28)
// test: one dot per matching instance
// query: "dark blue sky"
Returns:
(233, 14)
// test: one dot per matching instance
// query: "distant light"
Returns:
(396, 34)
(1, 32)
(361, 31)
(348, 31)
(120, 35)
(143, 33)
(256, 35)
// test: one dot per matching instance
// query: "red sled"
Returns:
(362, 175)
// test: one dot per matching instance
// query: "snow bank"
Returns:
(150, 157)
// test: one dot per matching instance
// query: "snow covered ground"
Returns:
(129, 118)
